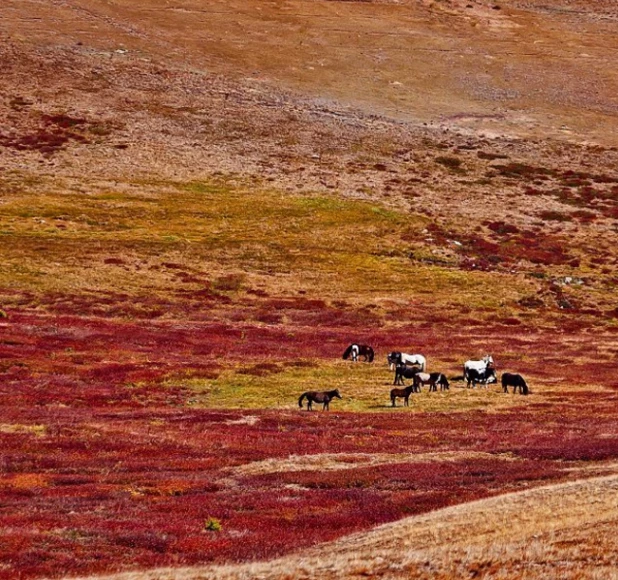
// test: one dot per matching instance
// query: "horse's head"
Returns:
(393, 358)
(336, 393)
(488, 360)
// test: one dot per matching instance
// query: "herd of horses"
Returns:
(413, 367)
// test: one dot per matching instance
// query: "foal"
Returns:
(402, 393)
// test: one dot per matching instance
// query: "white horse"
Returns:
(480, 366)
(402, 358)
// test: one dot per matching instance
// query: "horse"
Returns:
(432, 379)
(479, 365)
(405, 393)
(324, 397)
(356, 350)
(438, 379)
(482, 377)
(395, 358)
(516, 381)
(404, 372)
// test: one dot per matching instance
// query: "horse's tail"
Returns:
(300, 400)
(371, 354)
(347, 352)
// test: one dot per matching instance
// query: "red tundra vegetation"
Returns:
(99, 453)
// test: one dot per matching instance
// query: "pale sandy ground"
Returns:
(558, 531)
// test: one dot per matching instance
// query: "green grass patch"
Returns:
(363, 387)
(94, 238)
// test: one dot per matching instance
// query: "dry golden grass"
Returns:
(336, 461)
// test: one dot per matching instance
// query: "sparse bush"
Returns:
(453, 163)
(212, 525)
(555, 216)
(229, 283)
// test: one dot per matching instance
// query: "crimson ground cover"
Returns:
(106, 466)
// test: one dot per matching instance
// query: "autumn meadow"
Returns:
(203, 204)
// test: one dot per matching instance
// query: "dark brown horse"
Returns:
(404, 372)
(401, 393)
(324, 397)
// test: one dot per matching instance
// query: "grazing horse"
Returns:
(405, 393)
(404, 372)
(356, 350)
(401, 358)
(482, 377)
(324, 397)
(432, 379)
(478, 365)
(516, 381)
(438, 379)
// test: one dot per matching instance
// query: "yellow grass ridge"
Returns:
(336, 461)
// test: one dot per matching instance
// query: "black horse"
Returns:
(436, 379)
(482, 377)
(516, 381)
(405, 393)
(324, 397)
(404, 372)
(357, 350)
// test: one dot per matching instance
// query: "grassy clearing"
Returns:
(364, 388)
(95, 238)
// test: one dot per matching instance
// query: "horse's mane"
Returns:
(348, 351)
